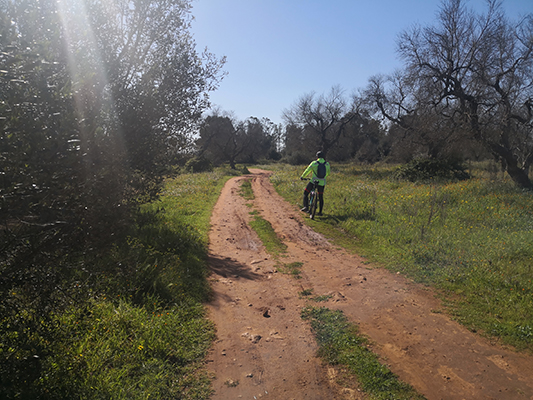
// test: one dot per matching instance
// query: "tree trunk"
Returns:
(501, 150)
(510, 164)
(519, 176)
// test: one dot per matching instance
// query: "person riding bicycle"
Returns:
(320, 169)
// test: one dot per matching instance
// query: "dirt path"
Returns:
(265, 350)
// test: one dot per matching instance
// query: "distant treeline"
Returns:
(464, 93)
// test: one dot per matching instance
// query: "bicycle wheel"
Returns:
(312, 204)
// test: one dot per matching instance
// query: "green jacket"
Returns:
(313, 167)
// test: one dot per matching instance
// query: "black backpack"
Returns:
(321, 170)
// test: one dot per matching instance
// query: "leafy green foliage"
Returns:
(198, 164)
(298, 158)
(128, 324)
(224, 139)
(89, 117)
(88, 121)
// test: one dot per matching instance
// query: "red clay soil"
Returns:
(264, 350)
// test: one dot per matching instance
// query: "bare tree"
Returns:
(475, 70)
(420, 127)
(326, 116)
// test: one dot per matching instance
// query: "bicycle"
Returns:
(313, 199)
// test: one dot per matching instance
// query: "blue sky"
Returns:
(278, 50)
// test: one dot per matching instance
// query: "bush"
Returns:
(274, 155)
(297, 158)
(198, 164)
(425, 169)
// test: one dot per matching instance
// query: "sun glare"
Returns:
(90, 83)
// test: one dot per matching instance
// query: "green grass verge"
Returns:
(124, 351)
(341, 344)
(246, 190)
(473, 240)
(137, 330)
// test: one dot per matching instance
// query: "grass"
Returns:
(246, 190)
(141, 332)
(273, 244)
(321, 298)
(341, 344)
(305, 293)
(472, 240)
(124, 351)
(189, 199)
(293, 269)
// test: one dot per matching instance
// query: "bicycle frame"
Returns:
(313, 200)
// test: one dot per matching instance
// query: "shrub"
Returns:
(297, 158)
(424, 169)
(198, 164)
(274, 155)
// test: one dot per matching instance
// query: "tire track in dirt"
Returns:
(273, 354)
(263, 348)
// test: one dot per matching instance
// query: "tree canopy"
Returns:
(472, 74)
(95, 99)
(225, 139)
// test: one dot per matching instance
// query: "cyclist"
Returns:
(320, 169)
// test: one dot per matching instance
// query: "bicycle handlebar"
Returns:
(309, 179)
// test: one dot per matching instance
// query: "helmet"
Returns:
(319, 154)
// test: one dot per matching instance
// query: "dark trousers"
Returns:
(320, 190)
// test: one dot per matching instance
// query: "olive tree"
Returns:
(137, 65)
(474, 70)
(416, 127)
(93, 97)
(325, 117)
(223, 138)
